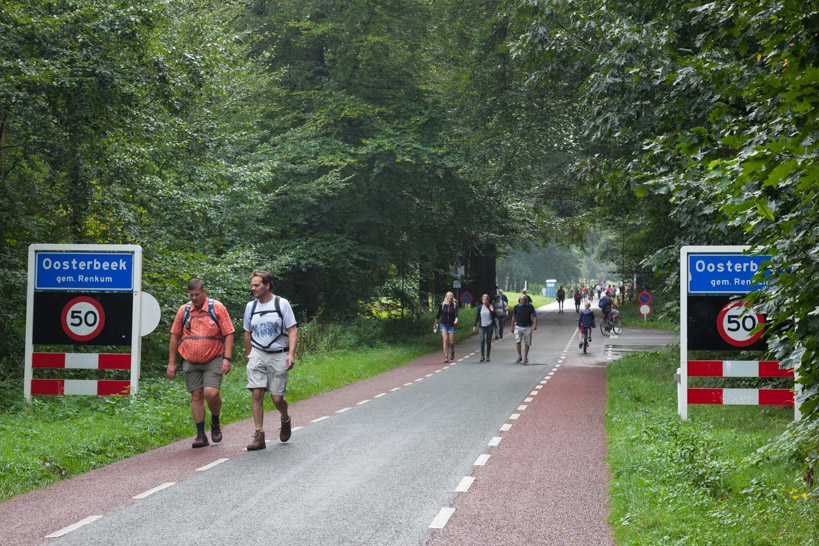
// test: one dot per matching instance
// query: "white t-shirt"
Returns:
(265, 325)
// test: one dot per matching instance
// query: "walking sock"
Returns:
(214, 419)
(200, 428)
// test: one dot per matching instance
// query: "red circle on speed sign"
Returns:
(736, 325)
(83, 318)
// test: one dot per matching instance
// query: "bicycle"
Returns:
(586, 335)
(611, 325)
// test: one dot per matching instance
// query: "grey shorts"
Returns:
(267, 371)
(523, 334)
(199, 376)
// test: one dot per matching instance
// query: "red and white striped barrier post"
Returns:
(80, 361)
(739, 397)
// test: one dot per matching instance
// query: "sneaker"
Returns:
(285, 431)
(487, 359)
(446, 360)
(215, 433)
(482, 359)
(580, 345)
(201, 441)
(258, 441)
(525, 360)
(520, 359)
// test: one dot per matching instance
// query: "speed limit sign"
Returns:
(83, 318)
(736, 324)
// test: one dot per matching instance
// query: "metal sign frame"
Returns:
(136, 290)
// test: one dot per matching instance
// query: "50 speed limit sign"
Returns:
(736, 324)
(83, 318)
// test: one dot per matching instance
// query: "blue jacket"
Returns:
(586, 319)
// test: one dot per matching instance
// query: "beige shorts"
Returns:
(523, 334)
(267, 371)
(199, 376)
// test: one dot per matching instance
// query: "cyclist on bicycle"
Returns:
(609, 307)
(586, 321)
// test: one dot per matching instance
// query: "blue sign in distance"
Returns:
(87, 271)
(723, 273)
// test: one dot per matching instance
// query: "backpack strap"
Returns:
(186, 317)
(278, 311)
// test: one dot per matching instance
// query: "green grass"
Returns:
(537, 300)
(57, 437)
(699, 481)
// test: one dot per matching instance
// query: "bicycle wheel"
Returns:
(617, 326)
(604, 328)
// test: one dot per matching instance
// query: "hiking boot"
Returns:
(285, 431)
(201, 440)
(215, 432)
(258, 441)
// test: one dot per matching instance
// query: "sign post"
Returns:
(710, 276)
(84, 295)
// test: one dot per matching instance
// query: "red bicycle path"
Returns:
(545, 483)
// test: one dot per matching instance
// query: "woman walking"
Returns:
(486, 317)
(448, 313)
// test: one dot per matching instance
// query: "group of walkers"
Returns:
(203, 332)
(490, 320)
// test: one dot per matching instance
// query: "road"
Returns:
(376, 462)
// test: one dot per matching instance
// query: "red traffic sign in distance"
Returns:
(466, 297)
(736, 324)
(83, 318)
(644, 297)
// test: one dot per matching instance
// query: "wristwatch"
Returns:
(228, 358)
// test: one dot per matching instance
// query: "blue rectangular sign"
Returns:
(723, 273)
(87, 271)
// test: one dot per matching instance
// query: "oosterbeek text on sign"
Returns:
(84, 265)
(728, 266)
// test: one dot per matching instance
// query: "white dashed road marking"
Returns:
(465, 484)
(495, 441)
(481, 460)
(506, 426)
(211, 465)
(320, 419)
(440, 520)
(156, 489)
(73, 527)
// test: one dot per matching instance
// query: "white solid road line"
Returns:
(211, 465)
(73, 527)
(156, 489)
(440, 520)
(465, 484)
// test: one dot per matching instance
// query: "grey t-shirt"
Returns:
(265, 325)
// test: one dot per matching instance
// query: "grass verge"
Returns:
(699, 481)
(57, 437)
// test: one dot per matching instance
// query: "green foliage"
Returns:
(699, 481)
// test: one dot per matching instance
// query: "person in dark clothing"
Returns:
(501, 310)
(448, 313)
(524, 320)
(485, 317)
(586, 320)
(561, 295)
(578, 297)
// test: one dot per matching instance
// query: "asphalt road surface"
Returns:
(430, 453)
